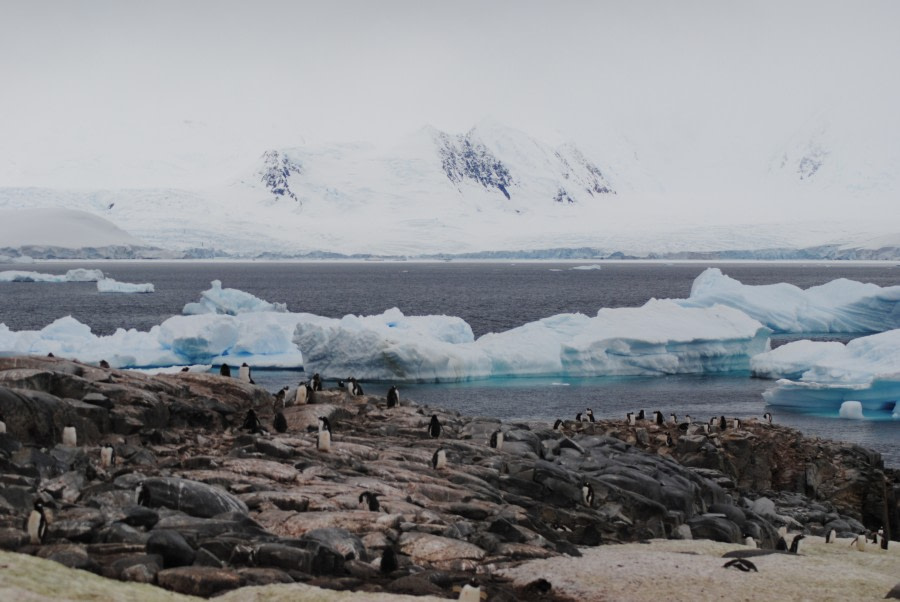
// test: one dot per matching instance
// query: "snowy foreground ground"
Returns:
(723, 327)
(660, 570)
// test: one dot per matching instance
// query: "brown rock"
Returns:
(200, 581)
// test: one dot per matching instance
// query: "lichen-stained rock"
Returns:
(203, 581)
(191, 497)
(268, 469)
(355, 521)
(437, 551)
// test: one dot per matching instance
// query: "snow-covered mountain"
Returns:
(492, 188)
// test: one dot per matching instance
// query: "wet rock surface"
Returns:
(198, 504)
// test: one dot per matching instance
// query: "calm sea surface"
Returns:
(491, 297)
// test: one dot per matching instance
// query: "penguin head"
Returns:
(39, 506)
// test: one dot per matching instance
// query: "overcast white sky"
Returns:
(106, 79)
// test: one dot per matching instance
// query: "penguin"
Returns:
(393, 397)
(830, 536)
(723, 424)
(860, 542)
(781, 546)
(371, 500)
(2, 424)
(578, 417)
(70, 436)
(658, 417)
(341, 384)
(742, 564)
(629, 418)
(587, 494)
(324, 424)
(767, 417)
(688, 419)
(278, 398)
(439, 459)
(224, 370)
(590, 415)
(107, 456)
(141, 495)
(37, 523)
(244, 374)
(357, 388)
(736, 424)
(557, 424)
(470, 592)
(795, 545)
(705, 429)
(713, 421)
(669, 441)
(641, 415)
(316, 382)
(280, 423)
(497, 439)
(434, 427)
(388, 561)
(104, 364)
(673, 419)
(749, 541)
(302, 395)
(323, 441)
(252, 423)
(884, 540)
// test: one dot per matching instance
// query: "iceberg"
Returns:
(108, 285)
(823, 375)
(840, 306)
(76, 275)
(229, 301)
(659, 338)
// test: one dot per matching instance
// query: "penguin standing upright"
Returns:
(224, 370)
(767, 417)
(70, 436)
(302, 395)
(723, 424)
(388, 561)
(497, 439)
(439, 459)
(557, 424)
(673, 418)
(107, 456)
(2, 424)
(323, 441)
(795, 545)
(370, 500)
(629, 418)
(316, 382)
(252, 423)
(658, 416)
(641, 415)
(244, 374)
(393, 397)
(590, 415)
(434, 427)
(280, 423)
(324, 424)
(37, 523)
(736, 424)
(587, 494)
(831, 536)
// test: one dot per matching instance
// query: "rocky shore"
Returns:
(198, 504)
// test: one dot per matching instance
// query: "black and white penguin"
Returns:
(723, 424)
(388, 561)
(705, 429)
(357, 388)
(781, 546)
(884, 540)
(859, 542)
(104, 364)
(224, 370)
(658, 417)
(434, 427)
(141, 495)
(470, 592)
(587, 494)
(767, 417)
(673, 418)
(324, 424)
(831, 536)
(741, 564)
(70, 436)
(669, 441)
(497, 439)
(2, 424)
(641, 415)
(107, 456)
(439, 459)
(688, 419)
(323, 441)
(37, 523)
(557, 424)
(278, 398)
(590, 414)
(736, 424)
(578, 417)
(244, 374)
(316, 382)
(629, 418)
(302, 395)
(341, 384)
(280, 423)
(252, 423)
(713, 421)
(393, 397)
(795, 545)
(370, 500)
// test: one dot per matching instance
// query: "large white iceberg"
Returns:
(76, 275)
(840, 306)
(108, 285)
(659, 338)
(823, 375)
(229, 301)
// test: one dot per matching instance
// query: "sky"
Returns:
(688, 86)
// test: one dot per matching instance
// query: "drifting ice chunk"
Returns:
(76, 275)
(825, 374)
(229, 301)
(839, 306)
(108, 285)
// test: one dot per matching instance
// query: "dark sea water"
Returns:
(491, 297)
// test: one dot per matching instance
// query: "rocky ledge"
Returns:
(198, 502)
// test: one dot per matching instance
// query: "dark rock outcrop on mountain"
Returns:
(197, 504)
(465, 158)
(276, 171)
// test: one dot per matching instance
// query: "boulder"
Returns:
(200, 581)
(190, 497)
(171, 547)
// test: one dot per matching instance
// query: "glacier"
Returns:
(840, 306)
(821, 376)
(76, 275)
(109, 285)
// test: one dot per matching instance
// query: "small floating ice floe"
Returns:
(108, 285)
(852, 410)
(592, 266)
